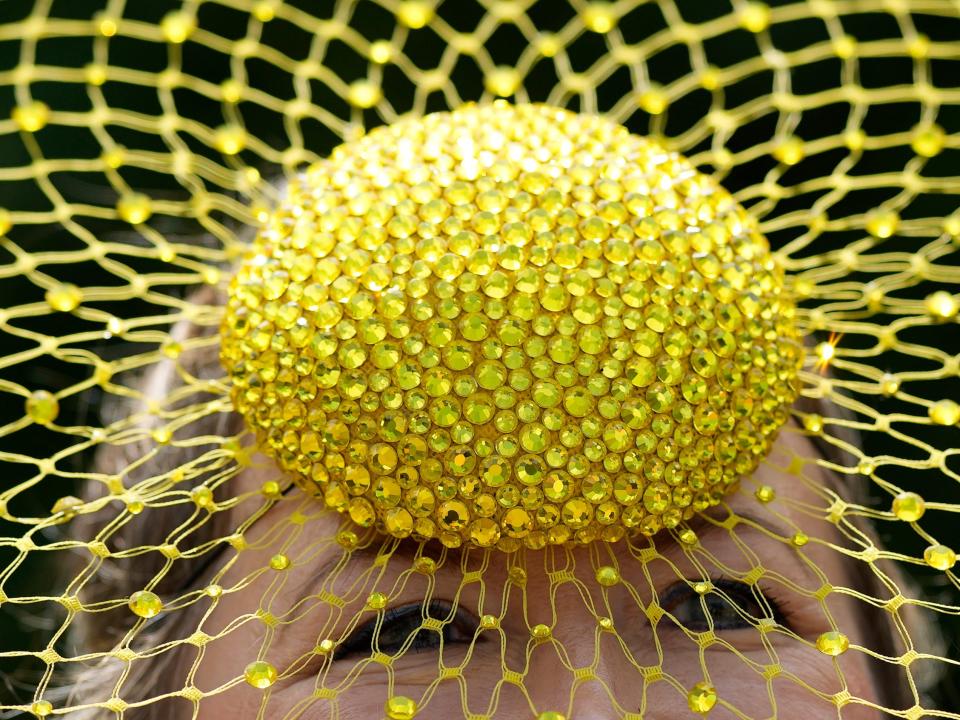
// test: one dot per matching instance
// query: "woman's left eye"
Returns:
(399, 623)
(732, 605)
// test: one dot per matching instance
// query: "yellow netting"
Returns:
(155, 565)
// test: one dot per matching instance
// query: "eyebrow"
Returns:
(324, 578)
(313, 582)
(708, 521)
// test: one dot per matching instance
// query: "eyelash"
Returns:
(400, 622)
(736, 595)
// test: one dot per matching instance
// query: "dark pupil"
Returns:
(723, 613)
(395, 631)
(732, 609)
(398, 624)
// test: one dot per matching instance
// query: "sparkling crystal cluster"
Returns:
(511, 325)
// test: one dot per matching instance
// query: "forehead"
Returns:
(796, 468)
(794, 489)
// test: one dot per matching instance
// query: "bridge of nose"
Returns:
(583, 660)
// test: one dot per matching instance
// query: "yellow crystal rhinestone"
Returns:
(364, 94)
(908, 506)
(941, 305)
(230, 139)
(177, 26)
(945, 412)
(146, 604)
(702, 697)
(377, 601)
(790, 151)
(202, 496)
(541, 631)
(64, 297)
(599, 17)
(415, 13)
(951, 225)
(31, 117)
(135, 208)
(96, 74)
(484, 532)
(833, 643)
(489, 339)
(381, 52)
(231, 90)
(882, 223)
(755, 16)
(260, 674)
(41, 708)
(889, 384)
(264, 11)
(518, 575)
(279, 562)
(106, 26)
(928, 140)
(114, 157)
(42, 407)
(502, 81)
(425, 565)
(765, 493)
(608, 576)
(940, 557)
(548, 44)
(400, 708)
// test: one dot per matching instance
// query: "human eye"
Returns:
(728, 605)
(399, 623)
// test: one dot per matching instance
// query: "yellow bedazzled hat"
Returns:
(488, 326)
(634, 388)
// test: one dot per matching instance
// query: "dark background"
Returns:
(25, 626)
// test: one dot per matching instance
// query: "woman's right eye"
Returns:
(400, 623)
(734, 607)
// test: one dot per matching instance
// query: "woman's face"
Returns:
(661, 642)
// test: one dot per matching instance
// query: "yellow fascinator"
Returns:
(479, 359)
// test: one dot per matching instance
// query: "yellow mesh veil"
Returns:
(603, 444)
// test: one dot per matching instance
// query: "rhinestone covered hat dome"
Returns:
(511, 325)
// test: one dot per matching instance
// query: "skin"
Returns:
(735, 662)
